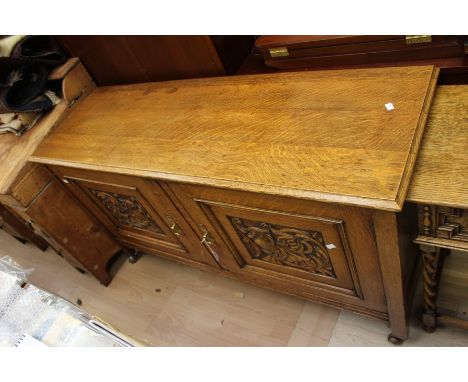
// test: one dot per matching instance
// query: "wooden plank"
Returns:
(442, 243)
(440, 175)
(59, 72)
(453, 321)
(318, 135)
(15, 151)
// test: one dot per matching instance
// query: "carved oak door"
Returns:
(137, 212)
(302, 247)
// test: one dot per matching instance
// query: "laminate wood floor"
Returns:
(161, 303)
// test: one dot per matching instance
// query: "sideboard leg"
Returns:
(395, 340)
(390, 257)
(432, 258)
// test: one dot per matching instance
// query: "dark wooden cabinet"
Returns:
(115, 60)
(55, 215)
(315, 51)
(319, 52)
(88, 244)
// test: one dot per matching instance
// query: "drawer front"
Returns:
(36, 177)
(299, 246)
(138, 213)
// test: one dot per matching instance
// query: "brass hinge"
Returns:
(279, 52)
(418, 39)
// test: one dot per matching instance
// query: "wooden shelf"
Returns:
(15, 151)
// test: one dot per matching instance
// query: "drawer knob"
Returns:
(176, 230)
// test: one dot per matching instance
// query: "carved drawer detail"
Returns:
(127, 210)
(444, 222)
(452, 223)
(298, 248)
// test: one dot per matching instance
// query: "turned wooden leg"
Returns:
(432, 267)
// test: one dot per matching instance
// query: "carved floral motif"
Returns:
(298, 248)
(127, 210)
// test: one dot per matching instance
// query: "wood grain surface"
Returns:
(318, 135)
(441, 172)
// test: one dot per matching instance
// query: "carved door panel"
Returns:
(138, 213)
(299, 246)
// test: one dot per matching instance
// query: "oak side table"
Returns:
(440, 188)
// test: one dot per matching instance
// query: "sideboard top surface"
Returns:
(318, 135)
(441, 172)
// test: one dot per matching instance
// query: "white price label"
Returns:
(389, 106)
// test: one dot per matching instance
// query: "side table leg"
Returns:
(432, 266)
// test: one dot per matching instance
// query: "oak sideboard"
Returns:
(293, 181)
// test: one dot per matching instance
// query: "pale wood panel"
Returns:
(15, 151)
(441, 172)
(196, 308)
(319, 135)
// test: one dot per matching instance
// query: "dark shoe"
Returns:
(43, 102)
(40, 49)
(25, 84)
